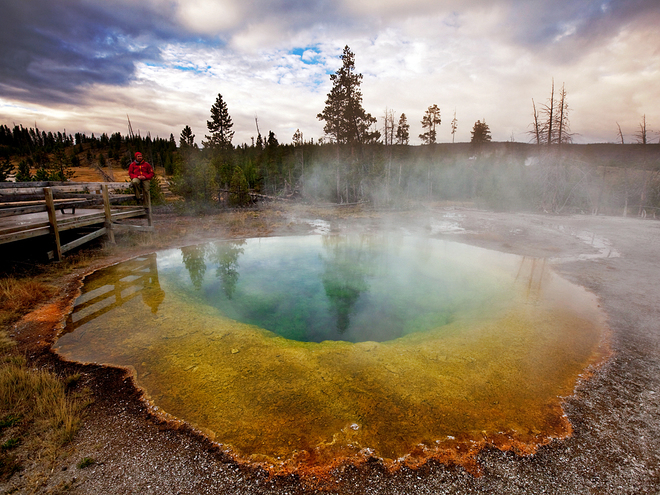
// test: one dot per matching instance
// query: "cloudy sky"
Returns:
(84, 65)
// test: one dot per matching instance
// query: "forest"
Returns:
(359, 161)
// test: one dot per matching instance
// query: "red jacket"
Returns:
(136, 169)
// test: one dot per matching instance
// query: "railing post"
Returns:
(52, 220)
(108, 214)
(147, 197)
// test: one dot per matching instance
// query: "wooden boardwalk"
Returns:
(31, 210)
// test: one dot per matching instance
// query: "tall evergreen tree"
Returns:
(480, 133)
(187, 138)
(345, 119)
(403, 130)
(220, 126)
(272, 142)
(430, 120)
(298, 138)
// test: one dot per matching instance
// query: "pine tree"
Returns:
(238, 195)
(403, 130)
(298, 138)
(272, 142)
(220, 126)
(345, 119)
(42, 175)
(23, 174)
(187, 138)
(61, 166)
(480, 133)
(430, 120)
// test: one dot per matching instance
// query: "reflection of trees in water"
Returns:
(345, 272)
(226, 255)
(193, 259)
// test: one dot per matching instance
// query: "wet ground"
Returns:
(615, 445)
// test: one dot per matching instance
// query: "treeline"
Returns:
(612, 179)
(604, 178)
(55, 156)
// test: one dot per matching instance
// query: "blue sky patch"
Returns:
(310, 55)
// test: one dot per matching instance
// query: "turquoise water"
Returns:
(353, 289)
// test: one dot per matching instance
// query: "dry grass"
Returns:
(19, 296)
(40, 399)
(37, 414)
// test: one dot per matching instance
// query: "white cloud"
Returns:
(465, 56)
(209, 17)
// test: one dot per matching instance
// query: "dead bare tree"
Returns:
(625, 176)
(563, 124)
(298, 143)
(641, 134)
(549, 112)
(537, 129)
(551, 124)
(454, 126)
(388, 127)
(620, 134)
(388, 133)
(559, 181)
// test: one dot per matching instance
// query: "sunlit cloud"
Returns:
(209, 16)
(87, 64)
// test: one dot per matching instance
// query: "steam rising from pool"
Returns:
(298, 352)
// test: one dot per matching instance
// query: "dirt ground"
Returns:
(615, 446)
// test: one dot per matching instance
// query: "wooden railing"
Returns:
(25, 202)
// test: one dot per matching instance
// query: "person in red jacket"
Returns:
(141, 174)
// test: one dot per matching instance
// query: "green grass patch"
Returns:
(9, 420)
(10, 444)
(85, 462)
(71, 381)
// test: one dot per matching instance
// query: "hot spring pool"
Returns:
(300, 352)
